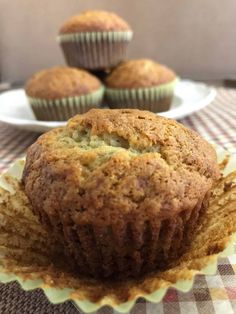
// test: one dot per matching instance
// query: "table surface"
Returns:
(210, 294)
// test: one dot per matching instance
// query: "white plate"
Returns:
(189, 97)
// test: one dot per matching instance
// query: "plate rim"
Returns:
(204, 102)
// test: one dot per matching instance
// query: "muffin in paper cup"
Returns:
(40, 266)
(141, 84)
(118, 166)
(58, 93)
(95, 40)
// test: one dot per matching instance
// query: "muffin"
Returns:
(142, 84)
(95, 40)
(122, 189)
(59, 93)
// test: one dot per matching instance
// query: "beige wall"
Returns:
(195, 37)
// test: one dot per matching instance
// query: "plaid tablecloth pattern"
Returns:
(210, 294)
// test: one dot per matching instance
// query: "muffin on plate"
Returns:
(142, 84)
(123, 189)
(58, 93)
(95, 40)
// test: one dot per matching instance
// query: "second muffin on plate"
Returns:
(142, 84)
(58, 93)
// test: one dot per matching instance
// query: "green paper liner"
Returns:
(155, 99)
(39, 266)
(95, 50)
(65, 108)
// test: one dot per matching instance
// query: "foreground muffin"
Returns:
(142, 84)
(61, 92)
(95, 40)
(123, 189)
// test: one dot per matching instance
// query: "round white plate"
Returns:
(189, 97)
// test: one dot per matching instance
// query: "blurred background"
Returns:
(196, 38)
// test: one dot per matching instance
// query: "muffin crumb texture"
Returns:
(123, 189)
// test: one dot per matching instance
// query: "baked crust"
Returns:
(94, 21)
(60, 82)
(139, 73)
(120, 183)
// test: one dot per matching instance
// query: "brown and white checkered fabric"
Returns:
(210, 294)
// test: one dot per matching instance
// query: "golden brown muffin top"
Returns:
(94, 21)
(60, 82)
(139, 73)
(116, 165)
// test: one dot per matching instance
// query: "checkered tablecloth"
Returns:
(210, 294)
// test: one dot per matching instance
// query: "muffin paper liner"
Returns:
(65, 108)
(30, 255)
(95, 50)
(155, 99)
(131, 248)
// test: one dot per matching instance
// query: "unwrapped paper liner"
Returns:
(34, 260)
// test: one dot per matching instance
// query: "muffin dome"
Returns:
(60, 82)
(139, 74)
(94, 21)
(122, 188)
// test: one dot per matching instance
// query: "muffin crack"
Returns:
(86, 140)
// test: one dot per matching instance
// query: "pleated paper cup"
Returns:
(155, 99)
(32, 257)
(65, 108)
(95, 50)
